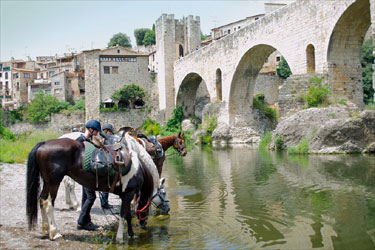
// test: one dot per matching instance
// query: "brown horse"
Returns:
(166, 142)
(56, 158)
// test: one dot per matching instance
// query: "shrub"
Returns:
(210, 123)
(151, 127)
(129, 93)
(279, 142)
(258, 103)
(283, 70)
(265, 141)
(301, 148)
(316, 96)
(174, 124)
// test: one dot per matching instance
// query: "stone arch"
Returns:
(219, 91)
(310, 59)
(244, 79)
(344, 51)
(192, 91)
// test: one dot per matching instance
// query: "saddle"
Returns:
(110, 160)
(158, 147)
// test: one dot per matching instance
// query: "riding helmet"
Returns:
(94, 124)
(108, 126)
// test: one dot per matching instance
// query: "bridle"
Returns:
(179, 148)
(142, 210)
(163, 201)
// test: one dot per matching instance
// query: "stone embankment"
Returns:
(330, 130)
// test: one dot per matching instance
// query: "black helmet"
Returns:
(108, 126)
(94, 124)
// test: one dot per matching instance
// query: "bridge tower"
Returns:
(174, 39)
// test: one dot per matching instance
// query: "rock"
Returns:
(244, 135)
(187, 125)
(199, 106)
(370, 148)
(329, 130)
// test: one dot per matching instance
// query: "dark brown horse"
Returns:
(56, 158)
(166, 142)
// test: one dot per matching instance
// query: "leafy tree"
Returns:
(43, 106)
(367, 58)
(203, 37)
(149, 38)
(80, 105)
(120, 39)
(130, 93)
(139, 35)
(283, 70)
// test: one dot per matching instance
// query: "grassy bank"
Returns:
(17, 150)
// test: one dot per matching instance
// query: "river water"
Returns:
(243, 198)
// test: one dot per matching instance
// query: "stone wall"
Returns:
(269, 86)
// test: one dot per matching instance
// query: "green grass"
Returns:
(18, 150)
(265, 141)
(301, 148)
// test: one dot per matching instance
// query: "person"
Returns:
(108, 129)
(88, 196)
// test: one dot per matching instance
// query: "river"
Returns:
(243, 198)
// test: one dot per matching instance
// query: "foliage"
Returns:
(16, 115)
(283, 70)
(279, 142)
(18, 149)
(151, 127)
(80, 105)
(301, 148)
(266, 140)
(258, 103)
(210, 123)
(120, 39)
(43, 106)
(139, 35)
(149, 38)
(316, 96)
(6, 134)
(367, 59)
(174, 124)
(131, 93)
(370, 106)
(203, 37)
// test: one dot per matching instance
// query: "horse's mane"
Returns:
(148, 183)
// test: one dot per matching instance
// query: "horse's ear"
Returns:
(162, 180)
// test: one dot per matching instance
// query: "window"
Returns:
(234, 29)
(106, 70)
(6, 75)
(131, 59)
(118, 51)
(114, 70)
(256, 18)
(58, 91)
(34, 75)
(69, 81)
(15, 75)
(26, 75)
(239, 27)
(18, 86)
(278, 58)
(228, 31)
(57, 83)
(51, 73)
(27, 84)
(1, 74)
(6, 85)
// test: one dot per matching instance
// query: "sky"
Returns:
(50, 27)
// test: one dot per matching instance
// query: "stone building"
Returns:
(107, 70)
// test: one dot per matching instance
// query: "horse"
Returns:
(166, 142)
(54, 159)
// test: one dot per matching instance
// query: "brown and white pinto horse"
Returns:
(54, 159)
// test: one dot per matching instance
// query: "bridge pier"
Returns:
(372, 10)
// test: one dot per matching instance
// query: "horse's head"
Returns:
(160, 199)
(179, 144)
(142, 210)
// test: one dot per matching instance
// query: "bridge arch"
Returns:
(192, 90)
(344, 51)
(244, 79)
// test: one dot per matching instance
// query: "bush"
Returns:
(265, 141)
(151, 127)
(301, 148)
(129, 93)
(316, 96)
(258, 103)
(367, 59)
(174, 124)
(210, 123)
(279, 142)
(283, 70)
(80, 105)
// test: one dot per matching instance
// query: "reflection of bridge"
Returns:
(313, 36)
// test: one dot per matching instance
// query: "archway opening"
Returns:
(252, 76)
(219, 85)
(344, 52)
(310, 59)
(193, 96)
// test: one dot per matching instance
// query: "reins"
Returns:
(142, 210)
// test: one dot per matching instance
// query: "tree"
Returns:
(120, 39)
(149, 38)
(130, 93)
(203, 37)
(367, 59)
(139, 35)
(283, 70)
(43, 106)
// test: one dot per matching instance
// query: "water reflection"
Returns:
(248, 199)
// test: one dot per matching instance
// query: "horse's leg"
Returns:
(49, 204)
(70, 195)
(43, 198)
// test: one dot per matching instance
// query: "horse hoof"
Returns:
(120, 240)
(55, 237)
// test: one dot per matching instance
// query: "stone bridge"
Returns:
(314, 36)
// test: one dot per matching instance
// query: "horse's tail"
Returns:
(32, 187)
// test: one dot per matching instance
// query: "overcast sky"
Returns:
(43, 28)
